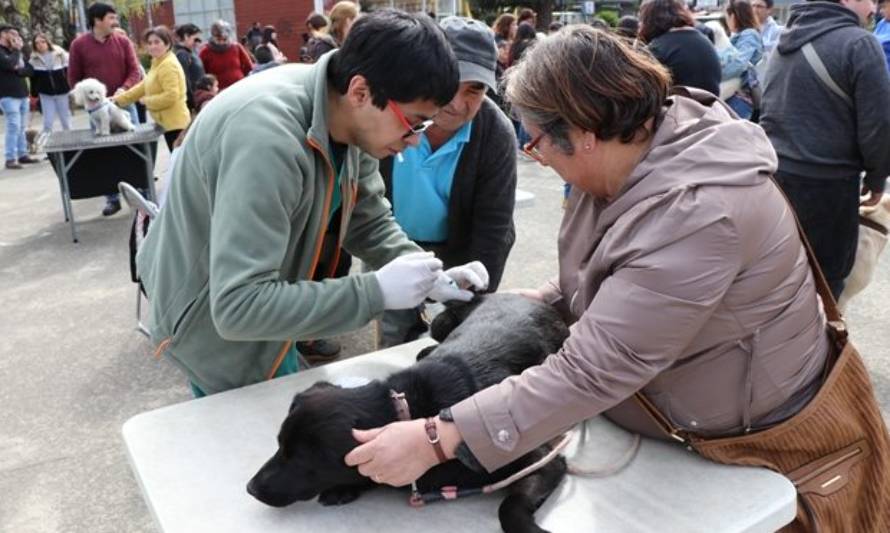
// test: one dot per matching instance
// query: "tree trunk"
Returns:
(11, 15)
(47, 17)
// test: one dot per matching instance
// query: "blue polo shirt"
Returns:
(421, 186)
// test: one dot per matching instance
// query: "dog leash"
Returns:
(419, 499)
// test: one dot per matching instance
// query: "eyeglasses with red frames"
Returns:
(531, 148)
(412, 130)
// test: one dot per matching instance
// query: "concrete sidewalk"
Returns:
(74, 369)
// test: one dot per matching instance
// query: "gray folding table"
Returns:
(88, 166)
(193, 461)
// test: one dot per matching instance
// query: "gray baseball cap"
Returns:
(473, 45)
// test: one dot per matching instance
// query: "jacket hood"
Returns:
(697, 142)
(810, 20)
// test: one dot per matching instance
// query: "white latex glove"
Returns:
(454, 282)
(406, 280)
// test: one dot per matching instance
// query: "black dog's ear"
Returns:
(425, 352)
(455, 312)
(319, 385)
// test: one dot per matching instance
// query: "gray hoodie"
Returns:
(691, 285)
(815, 133)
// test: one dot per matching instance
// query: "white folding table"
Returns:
(193, 461)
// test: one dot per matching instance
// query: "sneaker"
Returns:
(320, 351)
(111, 208)
(12, 163)
(27, 160)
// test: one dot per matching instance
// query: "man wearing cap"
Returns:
(454, 192)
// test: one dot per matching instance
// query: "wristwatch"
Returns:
(462, 453)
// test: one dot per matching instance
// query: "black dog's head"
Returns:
(312, 442)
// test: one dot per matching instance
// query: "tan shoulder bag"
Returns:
(835, 450)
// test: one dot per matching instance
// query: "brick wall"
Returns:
(288, 17)
(161, 14)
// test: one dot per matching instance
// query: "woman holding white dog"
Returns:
(50, 81)
(692, 302)
(163, 91)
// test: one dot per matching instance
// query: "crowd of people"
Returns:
(681, 269)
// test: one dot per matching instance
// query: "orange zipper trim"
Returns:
(319, 242)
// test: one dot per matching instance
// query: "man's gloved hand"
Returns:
(454, 282)
(406, 280)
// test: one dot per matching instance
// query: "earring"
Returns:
(587, 147)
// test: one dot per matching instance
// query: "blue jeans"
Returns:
(55, 105)
(16, 112)
(134, 118)
(742, 108)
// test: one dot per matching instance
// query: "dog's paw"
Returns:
(339, 495)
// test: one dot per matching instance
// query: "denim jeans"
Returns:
(828, 210)
(742, 108)
(55, 105)
(15, 110)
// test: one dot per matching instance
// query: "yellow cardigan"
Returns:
(163, 92)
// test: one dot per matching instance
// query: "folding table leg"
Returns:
(150, 173)
(66, 201)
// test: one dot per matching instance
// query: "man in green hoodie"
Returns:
(273, 178)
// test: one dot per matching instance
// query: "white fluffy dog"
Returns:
(874, 223)
(104, 115)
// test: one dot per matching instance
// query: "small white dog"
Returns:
(874, 222)
(105, 117)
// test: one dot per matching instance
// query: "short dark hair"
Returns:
(8, 27)
(161, 32)
(628, 27)
(263, 54)
(744, 15)
(187, 30)
(771, 3)
(206, 82)
(316, 21)
(658, 17)
(526, 14)
(404, 57)
(98, 11)
(555, 26)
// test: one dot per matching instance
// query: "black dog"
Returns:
(481, 343)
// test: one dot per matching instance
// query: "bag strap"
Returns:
(819, 67)
(836, 327)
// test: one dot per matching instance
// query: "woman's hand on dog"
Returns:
(399, 453)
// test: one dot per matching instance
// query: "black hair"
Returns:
(98, 11)
(771, 3)
(263, 54)
(187, 30)
(206, 82)
(404, 57)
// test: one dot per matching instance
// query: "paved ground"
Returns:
(74, 369)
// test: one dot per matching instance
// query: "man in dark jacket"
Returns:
(454, 193)
(14, 96)
(826, 109)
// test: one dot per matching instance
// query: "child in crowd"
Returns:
(265, 59)
(206, 88)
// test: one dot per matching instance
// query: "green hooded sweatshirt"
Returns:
(228, 264)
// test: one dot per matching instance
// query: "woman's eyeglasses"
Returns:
(416, 129)
(531, 148)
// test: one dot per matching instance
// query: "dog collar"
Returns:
(98, 107)
(403, 412)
